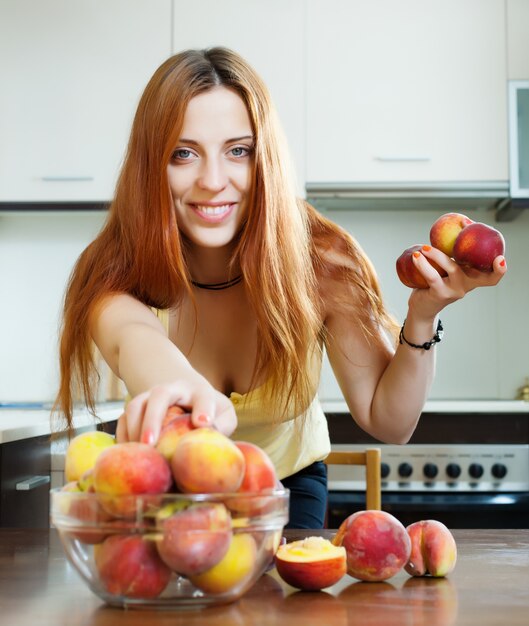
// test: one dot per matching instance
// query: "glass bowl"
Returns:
(170, 550)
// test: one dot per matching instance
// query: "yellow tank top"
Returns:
(292, 443)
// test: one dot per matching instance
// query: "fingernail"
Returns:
(426, 248)
(204, 420)
(502, 262)
(148, 437)
(416, 255)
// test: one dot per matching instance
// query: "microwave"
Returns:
(519, 138)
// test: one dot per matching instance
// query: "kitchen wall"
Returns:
(484, 354)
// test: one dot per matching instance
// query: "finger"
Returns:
(134, 411)
(426, 269)
(203, 412)
(226, 420)
(122, 435)
(158, 402)
(499, 266)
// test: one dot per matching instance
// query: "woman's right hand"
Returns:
(144, 414)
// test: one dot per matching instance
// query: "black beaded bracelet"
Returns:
(427, 344)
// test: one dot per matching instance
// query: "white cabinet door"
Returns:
(518, 39)
(270, 36)
(413, 90)
(71, 73)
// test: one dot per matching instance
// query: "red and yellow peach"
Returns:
(311, 564)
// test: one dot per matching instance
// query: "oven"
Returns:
(465, 469)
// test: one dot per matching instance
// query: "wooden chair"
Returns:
(371, 459)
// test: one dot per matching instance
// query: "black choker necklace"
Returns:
(218, 286)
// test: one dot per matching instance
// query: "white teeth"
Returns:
(212, 210)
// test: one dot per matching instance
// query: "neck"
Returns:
(220, 285)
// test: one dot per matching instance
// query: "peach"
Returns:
(376, 543)
(172, 431)
(259, 470)
(409, 274)
(129, 565)
(234, 570)
(129, 469)
(86, 481)
(206, 461)
(311, 563)
(433, 549)
(88, 512)
(193, 539)
(445, 230)
(477, 246)
(83, 452)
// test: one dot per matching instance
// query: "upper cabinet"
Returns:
(406, 91)
(71, 74)
(270, 36)
(518, 39)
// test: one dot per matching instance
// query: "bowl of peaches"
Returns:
(193, 521)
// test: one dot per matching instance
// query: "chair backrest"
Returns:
(371, 459)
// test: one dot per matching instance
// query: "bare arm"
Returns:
(135, 345)
(385, 389)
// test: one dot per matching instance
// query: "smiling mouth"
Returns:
(212, 210)
(213, 214)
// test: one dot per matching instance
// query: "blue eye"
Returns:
(181, 153)
(240, 151)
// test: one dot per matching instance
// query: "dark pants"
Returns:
(308, 496)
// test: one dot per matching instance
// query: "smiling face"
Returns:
(210, 171)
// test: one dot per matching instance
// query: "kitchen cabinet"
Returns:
(72, 72)
(25, 467)
(518, 39)
(406, 91)
(269, 35)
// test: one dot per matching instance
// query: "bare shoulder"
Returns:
(119, 311)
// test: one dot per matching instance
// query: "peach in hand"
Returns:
(83, 452)
(206, 461)
(433, 549)
(233, 570)
(172, 430)
(126, 469)
(409, 274)
(311, 564)
(193, 539)
(376, 543)
(477, 246)
(446, 229)
(130, 566)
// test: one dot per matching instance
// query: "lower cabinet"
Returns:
(25, 483)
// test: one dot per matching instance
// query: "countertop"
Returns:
(488, 587)
(22, 423)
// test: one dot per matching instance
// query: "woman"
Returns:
(205, 225)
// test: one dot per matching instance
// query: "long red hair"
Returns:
(140, 250)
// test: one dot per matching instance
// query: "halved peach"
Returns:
(311, 564)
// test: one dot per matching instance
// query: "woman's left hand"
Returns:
(445, 290)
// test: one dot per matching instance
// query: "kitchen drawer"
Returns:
(26, 464)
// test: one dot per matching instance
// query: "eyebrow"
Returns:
(233, 139)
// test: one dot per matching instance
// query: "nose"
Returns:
(213, 175)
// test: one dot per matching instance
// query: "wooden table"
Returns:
(490, 585)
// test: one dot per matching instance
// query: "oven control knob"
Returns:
(498, 470)
(405, 470)
(430, 470)
(384, 470)
(475, 470)
(453, 470)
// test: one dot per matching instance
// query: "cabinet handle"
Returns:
(402, 159)
(67, 179)
(32, 483)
